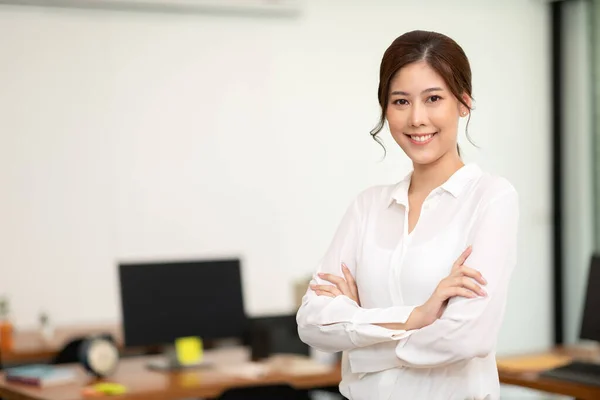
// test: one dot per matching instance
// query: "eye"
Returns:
(400, 102)
(434, 98)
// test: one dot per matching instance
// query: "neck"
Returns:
(427, 177)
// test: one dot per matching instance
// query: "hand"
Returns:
(345, 287)
(462, 281)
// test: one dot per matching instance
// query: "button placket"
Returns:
(397, 261)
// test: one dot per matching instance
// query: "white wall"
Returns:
(144, 135)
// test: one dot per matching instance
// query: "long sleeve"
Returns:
(338, 324)
(468, 328)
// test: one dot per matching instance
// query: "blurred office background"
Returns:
(147, 134)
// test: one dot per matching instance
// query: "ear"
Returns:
(462, 110)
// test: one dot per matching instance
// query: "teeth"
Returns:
(421, 138)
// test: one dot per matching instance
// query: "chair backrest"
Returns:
(274, 392)
(274, 334)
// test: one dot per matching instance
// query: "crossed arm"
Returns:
(464, 327)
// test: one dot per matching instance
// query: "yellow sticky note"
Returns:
(110, 388)
(189, 350)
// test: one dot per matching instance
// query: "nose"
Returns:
(418, 116)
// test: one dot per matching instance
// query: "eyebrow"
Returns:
(401, 93)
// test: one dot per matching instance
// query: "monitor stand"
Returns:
(169, 362)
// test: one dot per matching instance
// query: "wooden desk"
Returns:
(519, 370)
(30, 346)
(524, 370)
(209, 382)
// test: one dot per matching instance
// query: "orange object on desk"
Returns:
(6, 335)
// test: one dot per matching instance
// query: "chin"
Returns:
(424, 159)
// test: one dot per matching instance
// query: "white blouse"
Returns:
(453, 358)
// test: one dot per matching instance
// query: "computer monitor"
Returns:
(164, 301)
(585, 372)
(590, 323)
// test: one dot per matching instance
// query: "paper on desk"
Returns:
(533, 363)
(297, 365)
(247, 370)
(278, 364)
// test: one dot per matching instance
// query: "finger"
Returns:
(445, 293)
(338, 281)
(331, 278)
(472, 273)
(328, 288)
(470, 284)
(351, 283)
(457, 291)
(348, 275)
(465, 282)
(350, 279)
(463, 257)
(322, 293)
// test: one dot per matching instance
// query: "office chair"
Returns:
(275, 392)
(274, 334)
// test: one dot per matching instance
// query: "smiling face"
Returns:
(422, 114)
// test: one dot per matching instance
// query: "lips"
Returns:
(422, 138)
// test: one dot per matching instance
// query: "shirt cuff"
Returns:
(375, 358)
(363, 335)
(397, 314)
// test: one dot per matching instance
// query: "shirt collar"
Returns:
(454, 185)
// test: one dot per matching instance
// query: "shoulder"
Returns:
(373, 196)
(491, 188)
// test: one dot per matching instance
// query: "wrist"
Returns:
(415, 319)
(424, 316)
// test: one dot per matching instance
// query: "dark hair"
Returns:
(440, 52)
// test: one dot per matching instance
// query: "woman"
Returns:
(413, 287)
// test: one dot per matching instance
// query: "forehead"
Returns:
(415, 77)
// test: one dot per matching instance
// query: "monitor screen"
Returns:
(590, 324)
(163, 301)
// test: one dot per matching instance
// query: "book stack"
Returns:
(40, 375)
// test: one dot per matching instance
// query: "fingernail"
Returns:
(320, 274)
(484, 280)
(483, 293)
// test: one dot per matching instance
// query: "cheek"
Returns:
(396, 121)
(444, 118)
